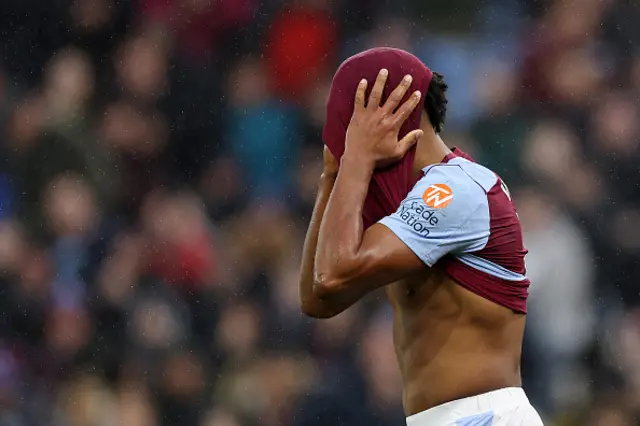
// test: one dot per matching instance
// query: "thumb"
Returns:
(409, 141)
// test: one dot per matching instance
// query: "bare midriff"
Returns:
(451, 343)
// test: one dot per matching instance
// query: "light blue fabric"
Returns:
(462, 226)
(490, 268)
(484, 419)
(480, 174)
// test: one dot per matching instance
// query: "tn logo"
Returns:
(437, 196)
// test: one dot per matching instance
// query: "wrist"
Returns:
(357, 168)
(358, 160)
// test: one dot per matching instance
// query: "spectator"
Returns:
(160, 161)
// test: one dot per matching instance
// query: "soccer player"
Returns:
(396, 208)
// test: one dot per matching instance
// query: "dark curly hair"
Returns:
(436, 101)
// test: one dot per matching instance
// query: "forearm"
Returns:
(311, 304)
(337, 256)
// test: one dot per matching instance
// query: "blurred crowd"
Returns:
(159, 166)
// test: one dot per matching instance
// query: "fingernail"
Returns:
(384, 71)
(363, 82)
(407, 78)
(417, 94)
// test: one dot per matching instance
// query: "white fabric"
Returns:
(503, 407)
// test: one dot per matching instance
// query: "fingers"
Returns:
(407, 108)
(378, 87)
(397, 95)
(408, 141)
(360, 95)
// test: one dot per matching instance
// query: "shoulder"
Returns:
(453, 187)
(447, 211)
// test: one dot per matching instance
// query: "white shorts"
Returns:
(502, 407)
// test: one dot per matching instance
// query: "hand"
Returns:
(330, 163)
(372, 135)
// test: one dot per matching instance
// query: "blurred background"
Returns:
(159, 162)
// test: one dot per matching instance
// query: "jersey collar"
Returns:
(456, 152)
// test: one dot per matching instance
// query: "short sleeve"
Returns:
(447, 211)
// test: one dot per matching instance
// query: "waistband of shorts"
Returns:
(473, 405)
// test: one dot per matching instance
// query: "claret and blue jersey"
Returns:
(460, 214)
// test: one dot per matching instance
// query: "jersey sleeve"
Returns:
(445, 212)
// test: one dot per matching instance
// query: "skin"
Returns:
(450, 343)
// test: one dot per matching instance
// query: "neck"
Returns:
(430, 150)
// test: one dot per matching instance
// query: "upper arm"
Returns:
(385, 258)
(445, 212)
(382, 259)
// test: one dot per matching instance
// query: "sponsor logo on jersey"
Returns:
(437, 196)
(417, 216)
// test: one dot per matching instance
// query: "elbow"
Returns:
(323, 304)
(326, 286)
(314, 311)
(314, 301)
(340, 278)
(317, 307)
